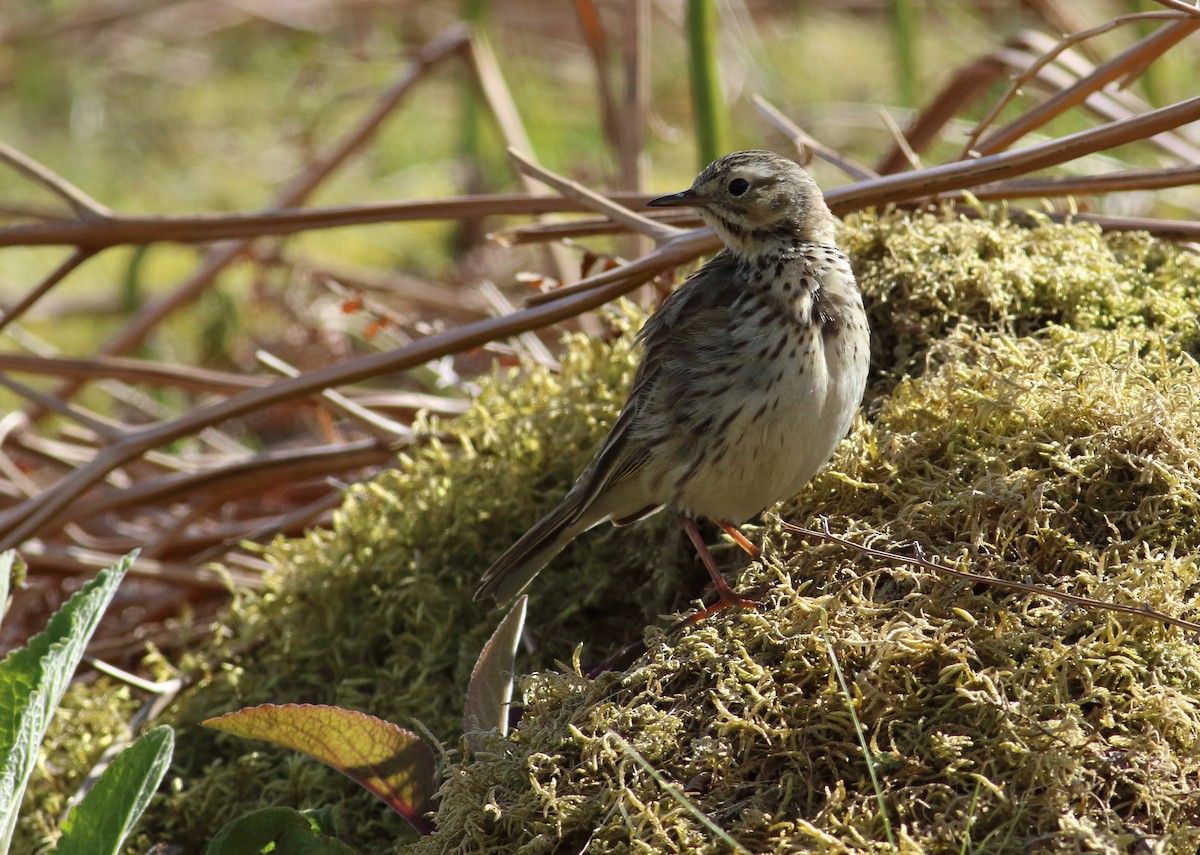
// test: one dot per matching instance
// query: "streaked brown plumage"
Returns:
(751, 373)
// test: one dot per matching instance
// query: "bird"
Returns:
(750, 374)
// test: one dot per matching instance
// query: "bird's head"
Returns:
(757, 202)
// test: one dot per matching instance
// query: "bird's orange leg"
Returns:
(727, 595)
(740, 539)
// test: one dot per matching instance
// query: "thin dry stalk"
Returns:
(808, 146)
(121, 230)
(499, 99)
(597, 44)
(59, 273)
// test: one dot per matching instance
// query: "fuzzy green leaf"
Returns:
(275, 829)
(389, 761)
(102, 821)
(33, 679)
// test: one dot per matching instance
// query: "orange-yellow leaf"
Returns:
(393, 763)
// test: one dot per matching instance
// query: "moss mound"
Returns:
(1032, 414)
(996, 723)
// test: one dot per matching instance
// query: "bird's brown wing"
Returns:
(689, 315)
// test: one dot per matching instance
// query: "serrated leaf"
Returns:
(391, 762)
(32, 682)
(276, 829)
(489, 692)
(100, 823)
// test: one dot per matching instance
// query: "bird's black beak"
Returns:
(687, 199)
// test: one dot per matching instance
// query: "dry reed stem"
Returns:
(808, 146)
(482, 61)
(1108, 104)
(963, 174)
(120, 230)
(635, 49)
(71, 263)
(74, 559)
(658, 232)
(596, 41)
(81, 203)
(183, 377)
(380, 427)
(542, 232)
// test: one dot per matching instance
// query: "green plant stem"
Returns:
(702, 66)
(903, 14)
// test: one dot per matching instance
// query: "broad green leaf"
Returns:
(391, 762)
(100, 823)
(276, 829)
(33, 679)
(489, 692)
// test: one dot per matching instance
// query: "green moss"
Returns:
(92, 717)
(1068, 457)
(928, 274)
(1032, 415)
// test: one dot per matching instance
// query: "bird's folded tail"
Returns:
(515, 569)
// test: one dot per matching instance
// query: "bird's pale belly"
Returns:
(768, 453)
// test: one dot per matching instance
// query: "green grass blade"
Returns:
(679, 796)
(100, 823)
(862, 737)
(32, 682)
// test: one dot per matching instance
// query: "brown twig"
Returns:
(132, 371)
(542, 232)
(635, 49)
(119, 230)
(451, 43)
(498, 97)
(72, 559)
(597, 45)
(59, 273)
(382, 428)
(81, 203)
(232, 478)
(806, 145)
(659, 232)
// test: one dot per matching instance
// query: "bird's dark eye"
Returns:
(738, 186)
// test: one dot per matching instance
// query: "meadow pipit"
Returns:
(751, 373)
